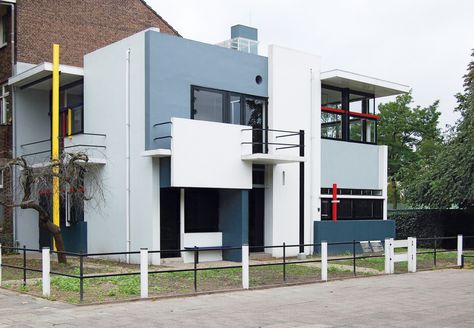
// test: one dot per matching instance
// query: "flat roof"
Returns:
(362, 83)
(39, 76)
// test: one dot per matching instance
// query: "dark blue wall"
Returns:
(173, 64)
(234, 221)
(358, 230)
(75, 237)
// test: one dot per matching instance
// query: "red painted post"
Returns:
(334, 202)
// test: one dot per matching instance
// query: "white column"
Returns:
(143, 272)
(0, 264)
(459, 250)
(388, 247)
(46, 263)
(324, 261)
(245, 266)
(413, 240)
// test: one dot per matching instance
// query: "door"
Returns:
(256, 218)
(169, 222)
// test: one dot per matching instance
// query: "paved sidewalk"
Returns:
(423, 299)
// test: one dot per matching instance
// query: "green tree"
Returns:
(448, 180)
(412, 136)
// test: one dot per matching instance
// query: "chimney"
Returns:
(243, 38)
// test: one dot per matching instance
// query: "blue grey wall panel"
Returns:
(173, 65)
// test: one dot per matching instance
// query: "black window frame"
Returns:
(376, 209)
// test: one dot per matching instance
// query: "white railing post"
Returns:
(245, 266)
(144, 272)
(392, 255)
(387, 255)
(410, 254)
(0, 264)
(459, 261)
(413, 241)
(324, 261)
(46, 267)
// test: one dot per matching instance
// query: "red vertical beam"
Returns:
(334, 202)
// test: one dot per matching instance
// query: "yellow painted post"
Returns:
(69, 123)
(55, 134)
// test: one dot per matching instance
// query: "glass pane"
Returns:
(207, 106)
(362, 208)
(357, 103)
(371, 135)
(234, 109)
(331, 98)
(254, 109)
(344, 209)
(77, 120)
(355, 127)
(331, 125)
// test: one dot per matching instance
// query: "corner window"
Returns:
(5, 114)
(71, 99)
(353, 209)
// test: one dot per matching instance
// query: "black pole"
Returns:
(462, 261)
(284, 262)
(195, 267)
(81, 278)
(24, 265)
(301, 192)
(434, 255)
(354, 256)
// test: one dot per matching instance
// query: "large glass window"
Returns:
(71, 99)
(201, 210)
(208, 105)
(353, 209)
(331, 98)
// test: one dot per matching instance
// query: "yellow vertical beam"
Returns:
(69, 123)
(55, 134)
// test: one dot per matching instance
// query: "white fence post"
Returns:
(413, 245)
(387, 249)
(144, 272)
(245, 266)
(459, 250)
(324, 261)
(46, 268)
(392, 256)
(410, 254)
(0, 264)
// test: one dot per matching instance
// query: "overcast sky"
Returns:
(425, 44)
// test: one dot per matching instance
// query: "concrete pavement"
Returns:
(423, 299)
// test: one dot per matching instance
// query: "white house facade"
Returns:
(210, 146)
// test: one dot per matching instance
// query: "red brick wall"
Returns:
(78, 26)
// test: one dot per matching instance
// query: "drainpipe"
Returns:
(127, 152)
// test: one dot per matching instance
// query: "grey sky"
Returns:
(425, 44)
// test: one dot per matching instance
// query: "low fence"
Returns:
(284, 262)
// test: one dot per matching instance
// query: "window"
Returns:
(230, 107)
(208, 105)
(71, 98)
(331, 125)
(201, 210)
(5, 114)
(1, 179)
(3, 30)
(353, 209)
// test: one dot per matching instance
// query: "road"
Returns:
(424, 299)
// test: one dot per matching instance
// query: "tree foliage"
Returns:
(448, 179)
(412, 135)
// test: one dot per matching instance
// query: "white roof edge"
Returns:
(8, 1)
(364, 79)
(48, 67)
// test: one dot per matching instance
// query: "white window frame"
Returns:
(1, 179)
(4, 93)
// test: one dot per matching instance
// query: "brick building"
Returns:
(28, 28)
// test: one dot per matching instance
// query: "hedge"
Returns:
(434, 223)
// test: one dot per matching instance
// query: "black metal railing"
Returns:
(260, 139)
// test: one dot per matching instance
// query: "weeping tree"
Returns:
(34, 188)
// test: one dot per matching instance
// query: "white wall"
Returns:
(104, 95)
(32, 108)
(294, 99)
(208, 155)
